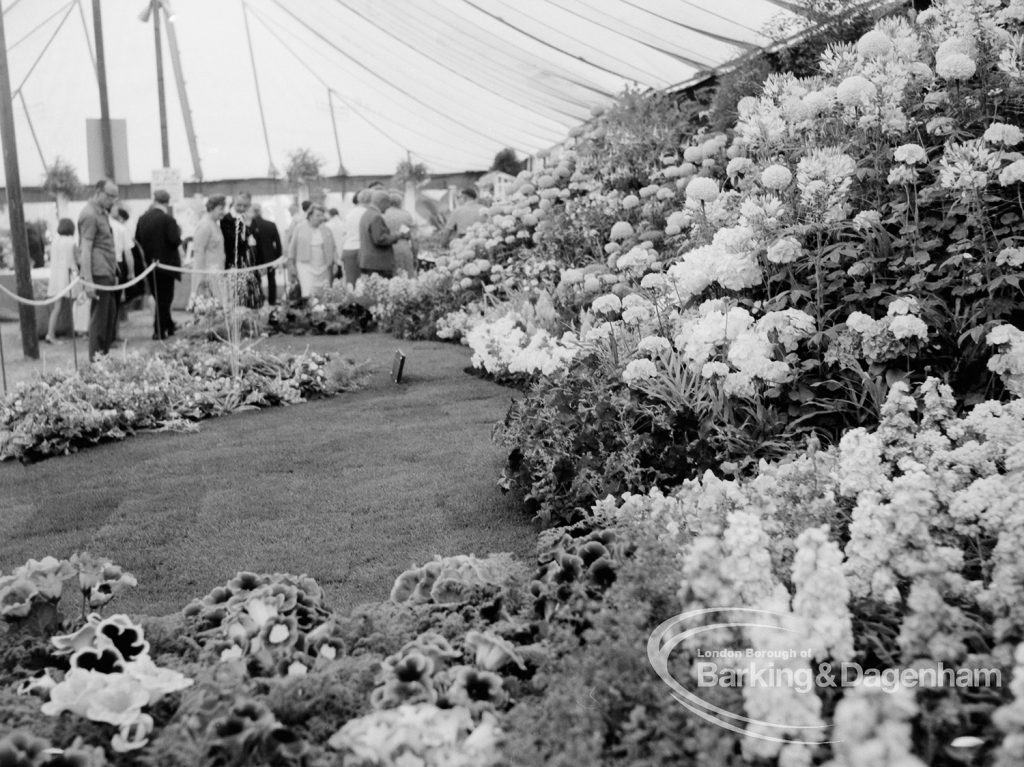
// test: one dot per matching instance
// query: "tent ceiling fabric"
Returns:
(447, 82)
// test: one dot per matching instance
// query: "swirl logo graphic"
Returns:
(761, 670)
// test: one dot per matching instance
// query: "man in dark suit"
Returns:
(268, 248)
(237, 233)
(159, 237)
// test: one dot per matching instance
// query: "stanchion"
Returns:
(3, 362)
(156, 308)
(74, 336)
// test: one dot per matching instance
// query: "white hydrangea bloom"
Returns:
(639, 370)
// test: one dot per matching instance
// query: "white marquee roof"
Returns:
(450, 82)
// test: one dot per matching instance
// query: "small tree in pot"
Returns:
(303, 169)
(62, 183)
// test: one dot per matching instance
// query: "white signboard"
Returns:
(168, 179)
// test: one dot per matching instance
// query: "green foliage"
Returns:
(408, 171)
(303, 167)
(62, 178)
(410, 308)
(626, 144)
(598, 702)
(830, 22)
(576, 438)
(115, 397)
(507, 162)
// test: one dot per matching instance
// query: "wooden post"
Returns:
(19, 235)
(101, 76)
(165, 150)
(186, 110)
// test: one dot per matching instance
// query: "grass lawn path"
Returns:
(351, 490)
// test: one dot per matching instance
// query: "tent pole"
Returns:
(101, 76)
(186, 111)
(271, 170)
(16, 211)
(88, 38)
(334, 125)
(165, 149)
(32, 129)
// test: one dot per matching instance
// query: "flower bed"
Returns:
(170, 389)
(775, 376)
(895, 550)
(761, 287)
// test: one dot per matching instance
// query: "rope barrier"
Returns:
(182, 270)
(41, 301)
(139, 278)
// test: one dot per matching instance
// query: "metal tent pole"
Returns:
(19, 235)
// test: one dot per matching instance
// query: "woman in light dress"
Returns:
(208, 250)
(63, 269)
(311, 253)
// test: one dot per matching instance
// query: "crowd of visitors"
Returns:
(227, 248)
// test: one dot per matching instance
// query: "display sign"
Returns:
(168, 179)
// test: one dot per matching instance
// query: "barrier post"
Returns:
(3, 363)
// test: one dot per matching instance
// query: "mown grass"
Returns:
(351, 490)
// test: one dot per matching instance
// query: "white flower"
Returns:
(859, 322)
(867, 219)
(910, 154)
(901, 175)
(903, 305)
(714, 370)
(652, 281)
(572, 277)
(1003, 334)
(908, 326)
(621, 230)
(776, 177)
(784, 251)
(739, 166)
(639, 370)
(656, 346)
(874, 44)
(855, 91)
(133, 735)
(630, 201)
(956, 66)
(815, 103)
(609, 303)
(1010, 257)
(1001, 133)
(693, 154)
(1012, 173)
(702, 189)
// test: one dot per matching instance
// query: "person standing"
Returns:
(99, 266)
(159, 237)
(125, 261)
(237, 235)
(400, 221)
(337, 227)
(298, 215)
(208, 249)
(468, 213)
(63, 268)
(350, 242)
(376, 251)
(311, 252)
(268, 249)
